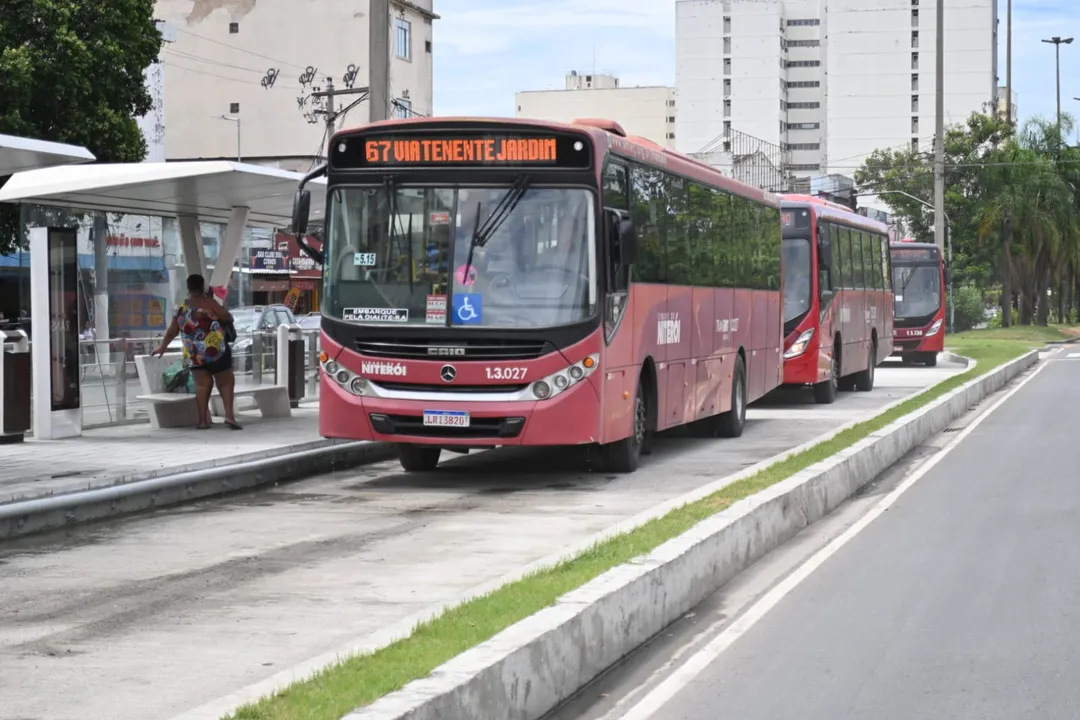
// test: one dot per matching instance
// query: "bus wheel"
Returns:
(931, 359)
(624, 456)
(864, 380)
(825, 392)
(732, 423)
(418, 458)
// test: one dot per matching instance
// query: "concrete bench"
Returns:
(169, 410)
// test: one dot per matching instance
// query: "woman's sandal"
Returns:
(232, 426)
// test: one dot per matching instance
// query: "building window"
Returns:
(804, 146)
(804, 84)
(803, 105)
(727, 66)
(727, 46)
(914, 39)
(803, 63)
(914, 61)
(234, 28)
(914, 82)
(671, 103)
(234, 108)
(403, 108)
(803, 23)
(804, 126)
(671, 118)
(914, 103)
(427, 46)
(807, 166)
(727, 25)
(914, 18)
(671, 136)
(914, 126)
(914, 145)
(404, 39)
(804, 43)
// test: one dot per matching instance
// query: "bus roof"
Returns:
(836, 212)
(607, 135)
(910, 244)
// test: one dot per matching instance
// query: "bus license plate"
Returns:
(446, 418)
(897, 348)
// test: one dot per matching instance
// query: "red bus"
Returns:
(838, 303)
(493, 282)
(919, 281)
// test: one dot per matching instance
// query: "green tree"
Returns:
(72, 72)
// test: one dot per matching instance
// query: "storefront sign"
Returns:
(269, 260)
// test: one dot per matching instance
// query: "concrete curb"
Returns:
(42, 514)
(530, 668)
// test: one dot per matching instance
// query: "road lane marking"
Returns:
(697, 663)
(1073, 355)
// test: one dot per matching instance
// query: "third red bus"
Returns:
(919, 282)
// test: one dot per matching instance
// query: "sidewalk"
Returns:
(264, 452)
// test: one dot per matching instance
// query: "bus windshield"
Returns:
(798, 278)
(918, 290)
(466, 256)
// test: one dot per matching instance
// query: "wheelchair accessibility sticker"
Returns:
(468, 308)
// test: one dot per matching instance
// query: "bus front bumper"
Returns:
(570, 418)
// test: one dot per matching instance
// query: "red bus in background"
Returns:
(919, 281)
(838, 302)
(510, 282)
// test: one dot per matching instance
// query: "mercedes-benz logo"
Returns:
(448, 373)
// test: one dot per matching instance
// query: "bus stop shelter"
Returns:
(19, 155)
(236, 194)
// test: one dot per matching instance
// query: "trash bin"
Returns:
(14, 386)
(291, 362)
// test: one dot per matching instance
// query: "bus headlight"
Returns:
(348, 380)
(799, 346)
(331, 368)
(934, 329)
(359, 386)
(559, 382)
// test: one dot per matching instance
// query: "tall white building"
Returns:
(241, 73)
(830, 81)
(647, 112)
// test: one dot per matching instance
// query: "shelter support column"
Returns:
(192, 246)
(230, 247)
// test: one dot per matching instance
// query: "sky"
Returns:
(487, 50)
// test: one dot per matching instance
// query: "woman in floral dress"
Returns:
(199, 320)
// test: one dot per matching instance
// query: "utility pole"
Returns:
(379, 59)
(330, 111)
(1008, 64)
(939, 132)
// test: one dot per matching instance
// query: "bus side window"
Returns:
(616, 194)
(826, 275)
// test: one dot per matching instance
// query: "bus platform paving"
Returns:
(249, 590)
(119, 454)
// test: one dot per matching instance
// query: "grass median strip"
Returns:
(337, 690)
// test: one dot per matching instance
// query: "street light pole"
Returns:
(1057, 42)
(237, 121)
(948, 243)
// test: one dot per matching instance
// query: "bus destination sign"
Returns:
(915, 254)
(455, 148)
(795, 219)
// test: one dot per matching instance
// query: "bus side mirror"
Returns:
(300, 211)
(623, 236)
(825, 256)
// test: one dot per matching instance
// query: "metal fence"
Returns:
(109, 383)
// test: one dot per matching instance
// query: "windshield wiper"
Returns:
(481, 234)
(907, 281)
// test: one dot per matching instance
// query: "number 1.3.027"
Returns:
(505, 373)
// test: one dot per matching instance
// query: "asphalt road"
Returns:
(959, 601)
(176, 609)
